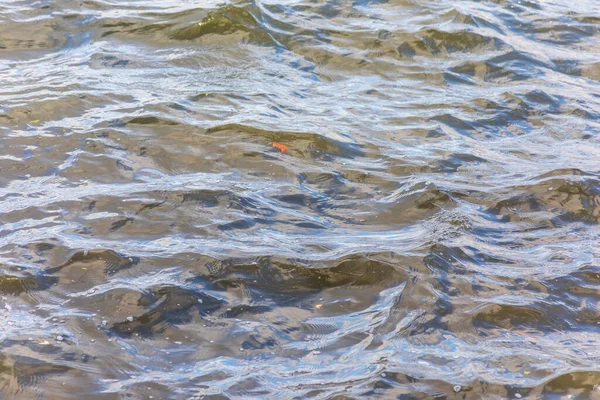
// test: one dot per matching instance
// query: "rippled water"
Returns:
(299, 199)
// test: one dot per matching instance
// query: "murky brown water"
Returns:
(299, 199)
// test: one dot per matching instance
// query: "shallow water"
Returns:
(299, 199)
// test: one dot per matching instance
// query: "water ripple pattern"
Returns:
(299, 199)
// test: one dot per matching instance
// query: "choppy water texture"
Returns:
(431, 229)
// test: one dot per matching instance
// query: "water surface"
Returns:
(299, 199)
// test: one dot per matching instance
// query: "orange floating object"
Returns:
(280, 146)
